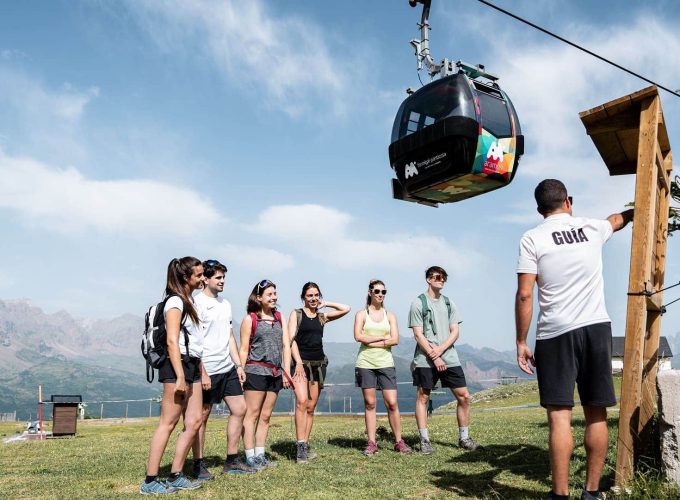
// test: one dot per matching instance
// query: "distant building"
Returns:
(664, 358)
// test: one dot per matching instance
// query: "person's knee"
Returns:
(193, 423)
(265, 418)
(301, 404)
(464, 399)
(369, 404)
(310, 407)
(423, 397)
(237, 411)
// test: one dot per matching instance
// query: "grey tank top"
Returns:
(265, 347)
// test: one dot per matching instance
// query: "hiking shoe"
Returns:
(310, 454)
(371, 448)
(238, 466)
(182, 482)
(301, 456)
(265, 462)
(254, 463)
(468, 444)
(156, 487)
(402, 447)
(585, 495)
(201, 472)
(426, 447)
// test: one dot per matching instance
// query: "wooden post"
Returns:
(40, 411)
(630, 135)
(639, 282)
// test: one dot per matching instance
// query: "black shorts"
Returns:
(264, 383)
(376, 378)
(582, 356)
(222, 385)
(316, 374)
(427, 378)
(192, 371)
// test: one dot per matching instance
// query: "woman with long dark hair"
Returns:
(307, 324)
(181, 376)
(377, 331)
(265, 353)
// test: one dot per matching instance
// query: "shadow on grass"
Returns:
(285, 448)
(346, 442)
(528, 461)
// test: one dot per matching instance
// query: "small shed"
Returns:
(664, 355)
(65, 414)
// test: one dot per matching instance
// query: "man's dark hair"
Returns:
(435, 269)
(550, 194)
(209, 269)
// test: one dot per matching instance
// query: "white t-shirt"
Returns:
(565, 253)
(195, 331)
(216, 321)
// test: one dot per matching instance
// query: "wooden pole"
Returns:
(639, 281)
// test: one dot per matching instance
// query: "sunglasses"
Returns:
(264, 284)
(379, 292)
(438, 277)
(571, 200)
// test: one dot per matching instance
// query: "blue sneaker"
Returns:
(156, 487)
(238, 467)
(183, 483)
(265, 462)
(255, 464)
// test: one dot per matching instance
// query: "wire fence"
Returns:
(339, 398)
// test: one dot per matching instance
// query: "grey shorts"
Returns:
(376, 378)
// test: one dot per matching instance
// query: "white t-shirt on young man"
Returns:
(195, 331)
(565, 253)
(216, 318)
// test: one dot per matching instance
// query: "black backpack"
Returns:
(155, 337)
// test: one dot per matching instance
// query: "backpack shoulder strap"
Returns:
(298, 318)
(427, 314)
(278, 317)
(448, 304)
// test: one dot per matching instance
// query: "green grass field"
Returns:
(107, 460)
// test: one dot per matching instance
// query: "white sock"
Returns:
(464, 432)
(250, 453)
(259, 450)
(424, 434)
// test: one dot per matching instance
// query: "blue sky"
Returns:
(257, 132)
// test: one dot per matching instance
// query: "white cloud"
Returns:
(328, 235)
(286, 59)
(264, 260)
(64, 200)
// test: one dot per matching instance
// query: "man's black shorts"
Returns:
(222, 385)
(582, 356)
(427, 378)
(264, 383)
(192, 371)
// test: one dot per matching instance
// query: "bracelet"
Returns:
(238, 366)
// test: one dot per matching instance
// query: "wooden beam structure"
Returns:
(630, 135)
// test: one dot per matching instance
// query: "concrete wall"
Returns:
(668, 384)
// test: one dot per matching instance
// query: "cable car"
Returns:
(456, 137)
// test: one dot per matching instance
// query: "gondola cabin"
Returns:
(453, 139)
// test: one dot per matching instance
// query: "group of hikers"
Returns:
(205, 366)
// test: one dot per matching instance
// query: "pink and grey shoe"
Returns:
(371, 448)
(402, 447)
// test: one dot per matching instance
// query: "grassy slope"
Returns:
(107, 459)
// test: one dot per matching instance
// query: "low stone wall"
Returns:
(668, 384)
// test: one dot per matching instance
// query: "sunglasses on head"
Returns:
(379, 292)
(438, 277)
(263, 284)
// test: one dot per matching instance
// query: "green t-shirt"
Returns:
(442, 319)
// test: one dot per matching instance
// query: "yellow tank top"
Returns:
(375, 357)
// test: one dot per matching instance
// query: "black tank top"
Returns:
(310, 338)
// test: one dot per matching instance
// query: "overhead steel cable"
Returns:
(589, 52)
